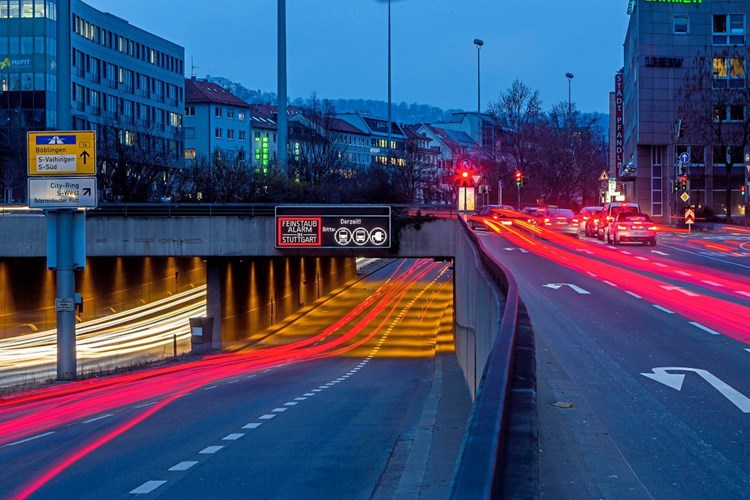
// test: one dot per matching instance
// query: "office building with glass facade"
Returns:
(683, 93)
(125, 83)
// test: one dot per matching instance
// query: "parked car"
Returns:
(610, 211)
(583, 217)
(634, 227)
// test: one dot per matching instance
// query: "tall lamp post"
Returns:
(569, 76)
(479, 44)
(389, 87)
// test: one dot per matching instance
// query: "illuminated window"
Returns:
(190, 154)
(728, 72)
(729, 29)
(241, 116)
(681, 25)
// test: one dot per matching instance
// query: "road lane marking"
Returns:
(232, 381)
(663, 309)
(660, 264)
(704, 328)
(266, 417)
(211, 387)
(634, 295)
(30, 439)
(146, 404)
(182, 466)
(233, 437)
(147, 487)
(683, 273)
(252, 425)
(309, 394)
(609, 283)
(210, 450)
(290, 403)
(741, 292)
(100, 417)
(712, 283)
(300, 398)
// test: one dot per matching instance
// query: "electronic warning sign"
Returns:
(333, 226)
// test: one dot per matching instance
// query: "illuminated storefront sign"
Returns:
(619, 128)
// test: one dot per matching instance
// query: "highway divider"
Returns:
(494, 342)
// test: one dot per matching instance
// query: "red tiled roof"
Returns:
(340, 125)
(201, 91)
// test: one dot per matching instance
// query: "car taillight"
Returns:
(610, 219)
(585, 217)
(575, 221)
(652, 228)
(620, 227)
(546, 220)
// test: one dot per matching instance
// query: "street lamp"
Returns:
(569, 76)
(479, 44)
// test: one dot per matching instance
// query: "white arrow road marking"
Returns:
(510, 249)
(675, 380)
(679, 289)
(557, 286)
(658, 252)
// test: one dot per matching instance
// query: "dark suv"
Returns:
(610, 211)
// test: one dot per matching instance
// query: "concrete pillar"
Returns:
(215, 268)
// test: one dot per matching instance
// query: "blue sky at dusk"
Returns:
(338, 48)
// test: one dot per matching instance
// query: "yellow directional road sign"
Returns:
(62, 152)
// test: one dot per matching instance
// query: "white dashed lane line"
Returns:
(267, 416)
(182, 466)
(233, 437)
(100, 417)
(210, 450)
(634, 295)
(663, 309)
(147, 487)
(32, 438)
(704, 328)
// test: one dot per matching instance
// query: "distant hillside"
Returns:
(402, 112)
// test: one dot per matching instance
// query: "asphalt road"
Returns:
(606, 429)
(383, 417)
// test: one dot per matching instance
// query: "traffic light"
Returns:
(463, 173)
(743, 190)
(683, 182)
(677, 185)
(519, 178)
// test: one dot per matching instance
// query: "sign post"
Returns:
(62, 178)
(689, 218)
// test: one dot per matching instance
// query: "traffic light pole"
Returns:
(519, 198)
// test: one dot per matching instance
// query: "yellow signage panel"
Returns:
(62, 152)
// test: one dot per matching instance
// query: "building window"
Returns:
(732, 113)
(241, 116)
(681, 25)
(218, 133)
(242, 136)
(729, 29)
(230, 134)
(217, 112)
(190, 154)
(230, 114)
(728, 72)
(189, 110)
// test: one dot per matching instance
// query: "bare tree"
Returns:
(714, 112)
(316, 161)
(133, 164)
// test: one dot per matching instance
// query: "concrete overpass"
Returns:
(233, 238)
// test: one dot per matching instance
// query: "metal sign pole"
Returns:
(65, 302)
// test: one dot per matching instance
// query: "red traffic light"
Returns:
(463, 173)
